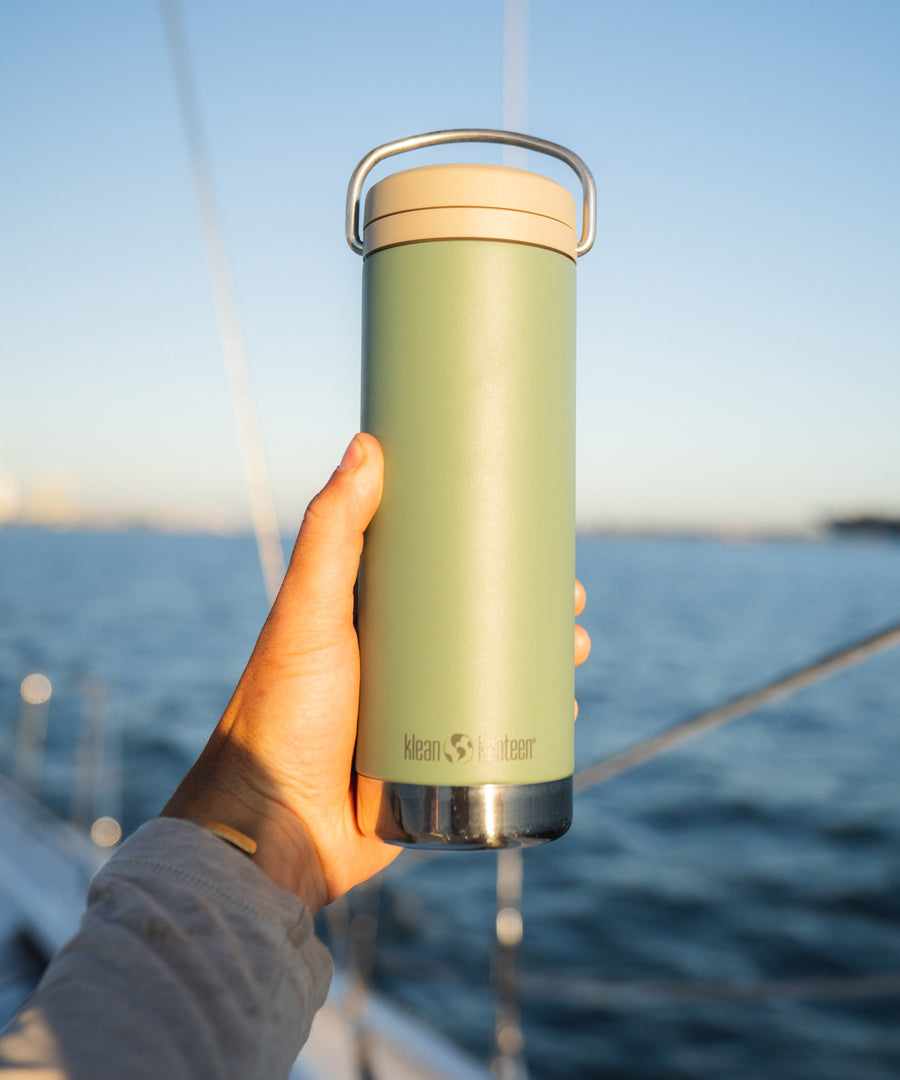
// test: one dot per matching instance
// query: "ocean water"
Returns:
(730, 911)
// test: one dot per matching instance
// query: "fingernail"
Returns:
(354, 456)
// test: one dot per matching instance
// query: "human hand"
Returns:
(279, 765)
(582, 638)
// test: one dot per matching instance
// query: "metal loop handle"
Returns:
(474, 135)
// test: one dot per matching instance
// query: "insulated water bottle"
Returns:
(466, 586)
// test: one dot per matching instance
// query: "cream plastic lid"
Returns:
(473, 202)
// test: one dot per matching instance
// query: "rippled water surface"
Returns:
(729, 911)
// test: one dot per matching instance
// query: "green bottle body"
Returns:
(466, 588)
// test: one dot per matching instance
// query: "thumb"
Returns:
(325, 560)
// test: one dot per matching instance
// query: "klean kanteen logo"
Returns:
(459, 749)
(415, 749)
(505, 749)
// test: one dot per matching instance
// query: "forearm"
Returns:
(189, 963)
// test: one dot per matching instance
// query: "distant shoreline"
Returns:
(862, 528)
(867, 526)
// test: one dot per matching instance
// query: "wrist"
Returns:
(284, 852)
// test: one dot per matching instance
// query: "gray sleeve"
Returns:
(189, 964)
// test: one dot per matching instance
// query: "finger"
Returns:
(576, 710)
(580, 598)
(325, 560)
(582, 645)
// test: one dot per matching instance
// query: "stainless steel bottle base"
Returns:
(465, 818)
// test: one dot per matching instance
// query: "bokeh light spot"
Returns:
(36, 689)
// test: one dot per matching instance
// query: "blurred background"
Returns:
(730, 910)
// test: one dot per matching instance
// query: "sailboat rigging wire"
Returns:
(738, 707)
(509, 1062)
(256, 471)
(515, 77)
(588, 992)
(622, 993)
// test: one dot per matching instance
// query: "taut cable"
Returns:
(781, 688)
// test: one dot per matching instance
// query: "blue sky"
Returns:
(739, 316)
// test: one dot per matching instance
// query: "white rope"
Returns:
(256, 471)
